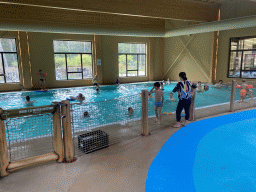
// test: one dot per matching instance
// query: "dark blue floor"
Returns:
(216, 154)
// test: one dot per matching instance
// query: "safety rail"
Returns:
(62, 130)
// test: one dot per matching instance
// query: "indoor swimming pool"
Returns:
(109, 106)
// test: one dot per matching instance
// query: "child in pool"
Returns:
(86, 114)
(159, 99)
(80, 97)
(168, 81)
(199, 86)
(220, 84)
(171, 97)
(130, 111)
(249, 92)
(117, 80)
(28, 102)
(161, 85)
(243, 91)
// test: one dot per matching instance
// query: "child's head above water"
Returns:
(130, 109)
(244, 80)
(199, 82)
(86, 114)
(27, 98)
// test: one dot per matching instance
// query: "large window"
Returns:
(73, 59)
(242, 60)
(132, 59)
(9, 71)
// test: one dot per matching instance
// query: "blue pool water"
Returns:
(108, 106)
(216, 154)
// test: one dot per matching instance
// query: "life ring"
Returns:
(238, 86)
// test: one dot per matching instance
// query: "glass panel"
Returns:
(60, 66)
(75, 76)
(87, 65)
(142, 66)
(72, 46)
(249, 60)
(131, 62)
(235, 64)
(122, 65)
(249, 74)
(1, 79)
(7, 45)
(131, 48)
(74, 62)
(1, 65)
(234, 44)
(131, 73)
(11, 67)
(248, 43)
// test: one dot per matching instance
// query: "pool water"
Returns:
(110, 104)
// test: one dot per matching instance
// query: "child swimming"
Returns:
(28, 102)
(130, 110)
(159, 99)
(171, 97)
(161, 85)
(86, 114)
(80, 97)
(199, 87)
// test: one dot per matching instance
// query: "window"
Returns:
(132, 59)
(9, 70)
(242, 60)
(73, 59)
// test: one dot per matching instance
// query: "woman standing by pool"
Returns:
(184, 93)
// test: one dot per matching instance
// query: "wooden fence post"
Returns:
(232, 97)
(57, 133)
(192, 106)
(4, 160)
(67, 132)
(144, 115)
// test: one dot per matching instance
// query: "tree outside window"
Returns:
(73, 59)
(9, 70)
(132, 59)
(242, 59)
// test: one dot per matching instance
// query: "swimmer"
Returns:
(28, 102)
(161, 85)
(220, 84)
(243, 91)
(130, 110)
(168, 81)
(249, 92)
(86, 114)
(80, 97)
(150, 96)
(199, 87)
(171, 97)
(95, 81)
(117, 80)
(97, 89)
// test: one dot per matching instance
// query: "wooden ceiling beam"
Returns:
(165, 9)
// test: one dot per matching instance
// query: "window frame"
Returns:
(77, 53)
(137, 54)
(2, 57)
(242, 56)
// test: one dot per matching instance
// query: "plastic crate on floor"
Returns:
(93, 141)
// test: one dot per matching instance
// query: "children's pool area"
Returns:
(109, 106)
(216, 154)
